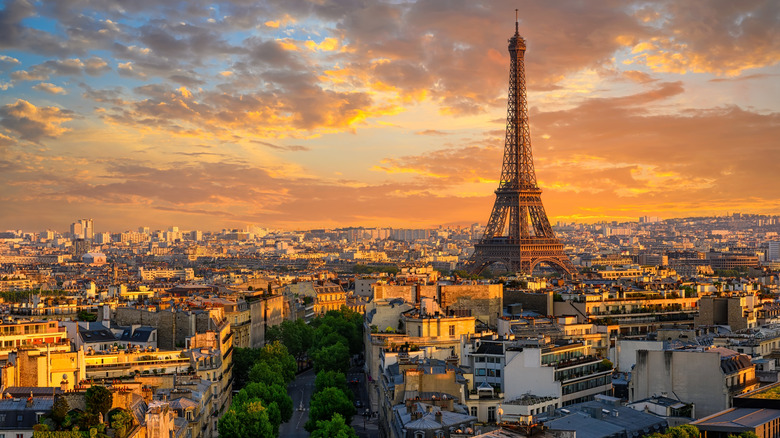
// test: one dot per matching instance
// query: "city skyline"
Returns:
(296, 116)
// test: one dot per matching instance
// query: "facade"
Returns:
(42, 335)
(34, 368)
(737, 312)
(708, 378)
(328, 296)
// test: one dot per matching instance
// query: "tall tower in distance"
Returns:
(518, 234)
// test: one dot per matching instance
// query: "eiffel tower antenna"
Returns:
(518, 234)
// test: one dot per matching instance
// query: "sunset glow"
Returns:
(297, 114)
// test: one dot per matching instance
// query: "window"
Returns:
(473, 414)
(452, 330)
(491, 414)
(480, 371)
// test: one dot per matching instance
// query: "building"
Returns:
(94, 258)
(605, 417)
(707, 377)
(33, 368)
(565, 369)
(41, 335)
(737, 312)
(773, 251)
(18, 416)
(328, 296)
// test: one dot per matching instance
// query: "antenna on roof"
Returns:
(517, 20)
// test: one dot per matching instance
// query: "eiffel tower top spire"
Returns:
(518, 168)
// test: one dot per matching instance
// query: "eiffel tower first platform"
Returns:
(518, 234)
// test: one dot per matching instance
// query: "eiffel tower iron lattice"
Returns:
(518, 233)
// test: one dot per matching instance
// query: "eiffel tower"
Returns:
(518, 234)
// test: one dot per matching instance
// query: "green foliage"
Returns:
(295, 335)
(59, 410)
(682, 431)
(271, 394)
(243, 360)
(57, 434)
(268, 373)
(363, 269)
(277, 353)
(332, 358)
(331, 379)
(271, 364)
(336, 427)
(121, 421)
(745, 434)
(99, 400)
(327, 402)
(83, 315)
(248, 420)
(345, 322)
(557, 297)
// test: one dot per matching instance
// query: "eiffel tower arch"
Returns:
(518, 234)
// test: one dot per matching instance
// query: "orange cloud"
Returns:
(33, 123)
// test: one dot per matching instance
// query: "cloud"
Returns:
(6, 61)
(33, 123)
(431, 132)
(50, 88)
(292, 148)
(722, 37)
(94, 66)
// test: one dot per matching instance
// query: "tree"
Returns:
(268, 373)
(98, 400)
(327, 402)
(121, 422)
(297, 336)
(331, 379)
(334, 358)
(83, 315)
(336, 427)
(271, 394)
(243, 360)
(277, 353)
(59, 410)
(249, 420)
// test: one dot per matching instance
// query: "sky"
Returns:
(299, 114)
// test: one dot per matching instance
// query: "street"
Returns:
(364, 423)
(300, 390)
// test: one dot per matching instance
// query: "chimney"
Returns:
(438, 417)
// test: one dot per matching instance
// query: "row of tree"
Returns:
(262, 375)
(338, 336)
(262, 404)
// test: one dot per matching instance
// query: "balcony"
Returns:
(576, 361)
(742, 387)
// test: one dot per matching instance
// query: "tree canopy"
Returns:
(331, 379)
(336, 427)
(249, 420)
(332, 358)
(327, 402)
(98, 400)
